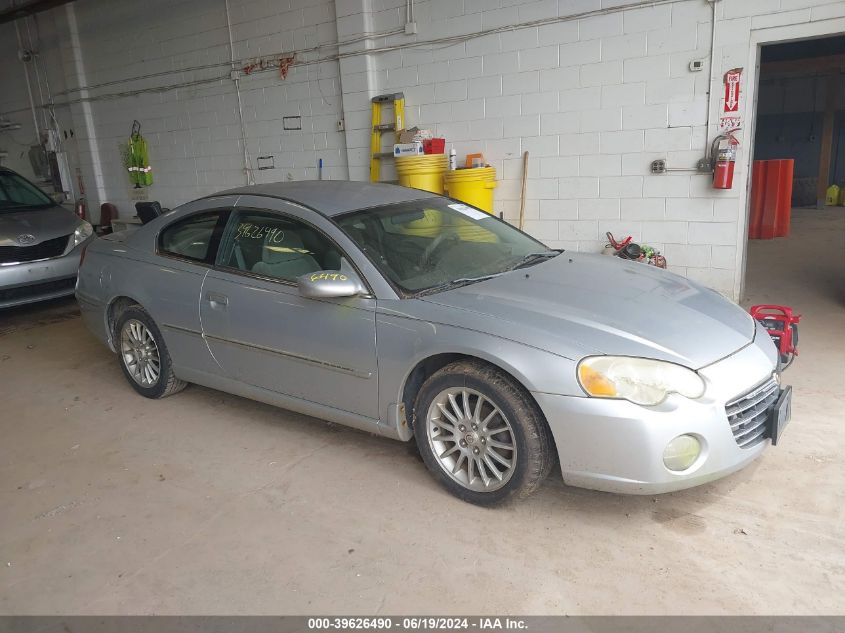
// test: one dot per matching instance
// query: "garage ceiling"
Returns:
(12, 11)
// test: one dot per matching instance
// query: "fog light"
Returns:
(681, 452)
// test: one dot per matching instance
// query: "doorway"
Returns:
(800, 116)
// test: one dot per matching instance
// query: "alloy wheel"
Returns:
(140, 353)
(471, 439)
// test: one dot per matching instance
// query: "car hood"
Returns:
(579, 304)
(42, 224)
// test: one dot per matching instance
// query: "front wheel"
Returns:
(481, 435)
(143, 355)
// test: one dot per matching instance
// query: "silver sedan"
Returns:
(414, 316)
(40, 243)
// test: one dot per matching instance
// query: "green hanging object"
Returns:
(140, 172)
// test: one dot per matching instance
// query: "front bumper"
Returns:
(29, 282)
(617, 446)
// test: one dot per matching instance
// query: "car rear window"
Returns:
(191, 237)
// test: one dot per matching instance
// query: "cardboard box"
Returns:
(407, 136)
(408, 149)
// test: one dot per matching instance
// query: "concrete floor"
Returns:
(208, 503)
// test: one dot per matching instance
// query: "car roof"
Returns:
(332, 197)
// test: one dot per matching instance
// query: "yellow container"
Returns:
(427, 226)
(434, 222)
(473, 186)
(832, 196)
(422, 172)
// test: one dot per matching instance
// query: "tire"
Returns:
(449, 401)
(138, 339)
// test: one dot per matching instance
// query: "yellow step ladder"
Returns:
(379, 128)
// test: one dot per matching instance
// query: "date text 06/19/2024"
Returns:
(416, 623)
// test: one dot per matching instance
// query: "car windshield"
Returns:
(17, 193)
(435, 244)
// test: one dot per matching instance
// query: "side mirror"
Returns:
(326, 284)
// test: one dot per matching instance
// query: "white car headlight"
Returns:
(640, 380)
(82, 233)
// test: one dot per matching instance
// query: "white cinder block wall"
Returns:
(195, 131)
(593, 100)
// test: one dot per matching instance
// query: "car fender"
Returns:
(405, 342)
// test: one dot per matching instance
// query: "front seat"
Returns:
(284, 258)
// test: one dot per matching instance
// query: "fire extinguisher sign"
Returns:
(732, 90)
(730, 116)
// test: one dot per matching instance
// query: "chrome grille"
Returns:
(45, 250)
(749, 413)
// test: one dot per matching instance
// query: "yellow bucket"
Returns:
(422, 172)
(427, 226)
(473, 186)
(434, 222)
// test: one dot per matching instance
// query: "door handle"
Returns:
(217, 300)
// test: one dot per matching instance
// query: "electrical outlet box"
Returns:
(704, 166)
(696, 65)
(410, 28)
(341, 125)
(292, 123)
(658, 166)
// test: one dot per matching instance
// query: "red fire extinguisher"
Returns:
(724, 159)
(80, 208)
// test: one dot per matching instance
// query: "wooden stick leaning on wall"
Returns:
(826, 145)
(522, 197)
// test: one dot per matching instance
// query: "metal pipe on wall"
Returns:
(710, 82)
(235, 77)
(34, 52)
(438, 41)
(51, 121)
(28, 84)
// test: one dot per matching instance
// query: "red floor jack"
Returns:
(782, 326)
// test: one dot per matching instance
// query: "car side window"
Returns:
(191, 237)
(276, 246)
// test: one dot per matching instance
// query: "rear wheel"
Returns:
(480, 434)
(143, 355)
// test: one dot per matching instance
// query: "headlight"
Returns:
(82, 233)
(640, 380)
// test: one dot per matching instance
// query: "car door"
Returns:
(264, 333)
(185, 251)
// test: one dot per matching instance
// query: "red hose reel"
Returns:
(782, 325)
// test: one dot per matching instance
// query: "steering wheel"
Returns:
(435, 245)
